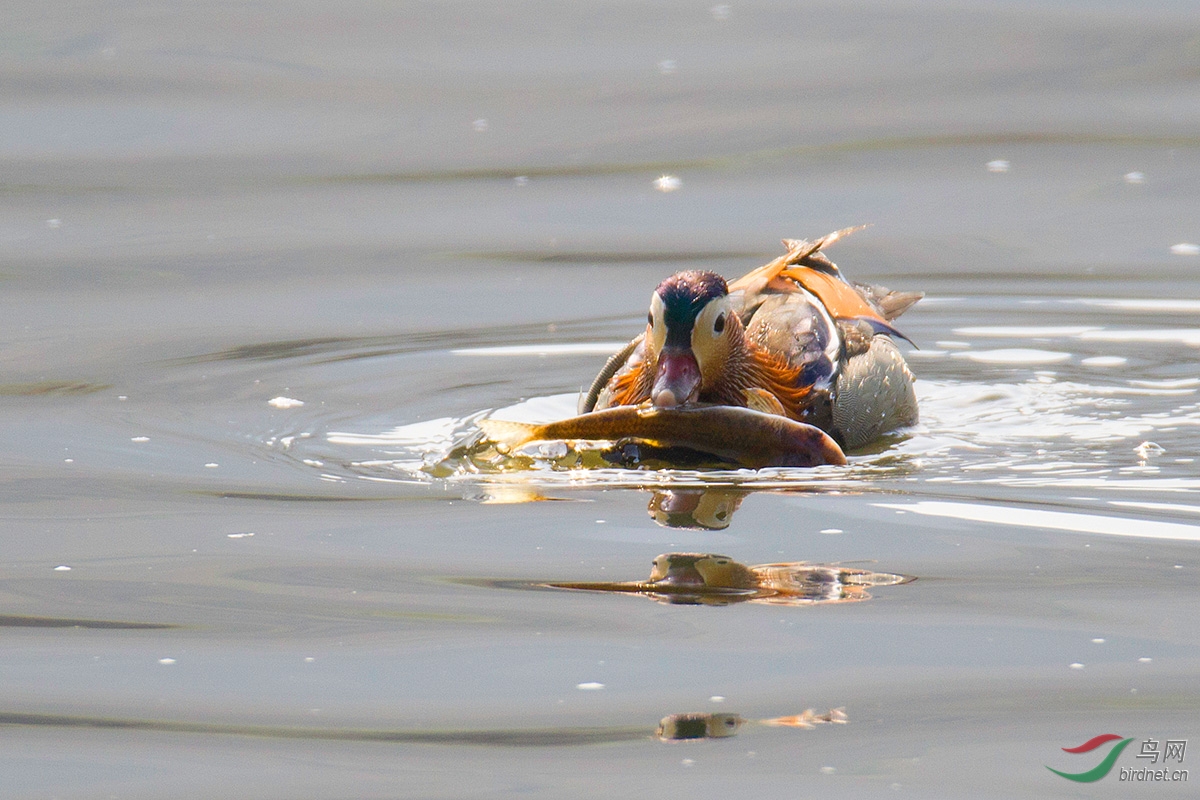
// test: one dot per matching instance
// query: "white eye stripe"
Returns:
(658, 324)
(711, 321)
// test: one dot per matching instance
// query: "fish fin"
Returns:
(509, 434)
(762, 400)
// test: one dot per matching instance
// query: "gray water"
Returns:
(406, 215)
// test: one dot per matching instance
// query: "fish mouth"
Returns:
(676, 379)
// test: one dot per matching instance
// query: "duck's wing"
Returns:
(798, 251)
(889, 304)
(794, 328)
(805, 266)
(876, 306)
(841, 299)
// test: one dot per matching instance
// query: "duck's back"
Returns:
(873, 395)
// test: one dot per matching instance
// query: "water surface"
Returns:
(405, 217)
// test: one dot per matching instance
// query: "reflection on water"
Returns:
(50, 388)
(698, 509)
(699, 726)
(721, 725)
(674, 727)
(554, 737)
(11, 621)
(717, 580)
(1057, 520)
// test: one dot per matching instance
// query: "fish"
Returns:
(742, 436)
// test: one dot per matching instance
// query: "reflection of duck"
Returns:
(696, 509)
(699, 726)
(706, 725)
(792, 337)
(712, 579)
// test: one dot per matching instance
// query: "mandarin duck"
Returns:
(793, 337)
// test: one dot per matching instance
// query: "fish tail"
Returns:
(509, 434)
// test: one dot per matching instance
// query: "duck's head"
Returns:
(690, 334)
(702, 571)
(677, 569)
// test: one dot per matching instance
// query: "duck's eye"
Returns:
(719, 324)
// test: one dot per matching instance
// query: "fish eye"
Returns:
(719, 324)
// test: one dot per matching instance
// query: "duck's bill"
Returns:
(677, 380)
